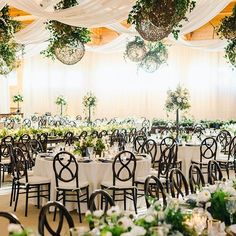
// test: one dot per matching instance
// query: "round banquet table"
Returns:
(93, 172)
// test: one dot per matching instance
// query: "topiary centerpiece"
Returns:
(89, 102)
(66, 41)
(61, 101)
(18, 99)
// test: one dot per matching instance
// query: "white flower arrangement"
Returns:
(177, 99)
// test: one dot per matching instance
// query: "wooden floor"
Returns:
(31, 221)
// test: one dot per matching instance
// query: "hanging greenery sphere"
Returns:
(135, 50)
(70, 55)
(150, 63)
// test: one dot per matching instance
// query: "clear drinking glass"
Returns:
(199, 219)
(230, 203)
(90, 151)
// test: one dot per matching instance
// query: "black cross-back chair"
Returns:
(105, 200)
(5, 161)
(102, 134)
(8, 140)
(153, 188)
(224, 138)
(47, 225)
(123, 171)
(43, 139)
(11, 217)
(131, 135)
(149, 147)
(66, 172)
(208, 150)
(199, 131)
(228, 162)
(9, 123)
(30, 185)
(138, 142)
(69, 138)
(35, 147)
(83, 134)
(119, 139)
(25, 138)
(214, 172)
(42, 122)
(94, 134)
(26, 123)
(178, 183)
(25, 149)
(196, 178)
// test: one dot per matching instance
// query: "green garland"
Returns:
(8, 46)
(63, 34)
(227, 30)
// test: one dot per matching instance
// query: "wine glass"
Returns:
(230, 203)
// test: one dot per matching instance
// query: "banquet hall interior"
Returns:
(117, 117)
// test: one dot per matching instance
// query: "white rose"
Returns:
(127, 234)
(204, 196)
(230, 190)
(149, 218)
(98, 213)
(14, 228)
(138, 231)
(126, 222)
(179, 100)
(108, 234)
(212, 188)
(115, 210)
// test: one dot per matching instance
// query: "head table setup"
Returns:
(117, 117)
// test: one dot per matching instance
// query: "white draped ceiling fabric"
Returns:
(114, 81)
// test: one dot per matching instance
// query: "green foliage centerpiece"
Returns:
(89, 102)
(17, 99)
(177, 99)
(227, 30)
(61, 101)
(66, 42)
(8, 46)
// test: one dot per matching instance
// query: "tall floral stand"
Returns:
(18, 107)
(61, 109)
(177, 125)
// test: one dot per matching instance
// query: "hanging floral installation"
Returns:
(227, 30)
(155, 20)
(8, 46)
(149, 55)
(66, 42)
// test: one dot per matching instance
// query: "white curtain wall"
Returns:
(123, 91)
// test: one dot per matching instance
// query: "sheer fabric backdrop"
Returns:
(123, 91)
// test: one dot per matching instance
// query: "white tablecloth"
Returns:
(93, 172)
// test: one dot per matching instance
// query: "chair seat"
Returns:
(72, 187)
(34, 180)
(5, 162)
(225, 158)
(141, 180)
(120, 185)
(204, 162)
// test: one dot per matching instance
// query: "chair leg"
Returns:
(79, 210)
(26, 200)
(55, 209)
(87, 196)
(125, 200)
(38, 196)
(134, 193)
(12, 192)
(17, 196)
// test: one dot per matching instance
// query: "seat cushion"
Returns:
(5, 161)
(71, 186)
(126, 185)
(34, 179)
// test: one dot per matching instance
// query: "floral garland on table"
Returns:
(177, 99)
(212, 198)
(157, 221)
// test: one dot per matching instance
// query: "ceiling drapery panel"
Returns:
(109, 14)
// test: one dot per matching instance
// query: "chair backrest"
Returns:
(149, 147)
(123, 167)
(26, 123)
(25, 138)
(19, 164)
(69, 138)
(44, 223)
(103, 133)
(94, 134)
(9, 123)
(11, 217)
(131, 135)
(35, 146)
(65, 168)
(43, 139)
(208, 149)
(214, 172)
(25, 149)
(196, 178)
(4, 151)
(198, 131)
(153, 188)
(83, 134)
(178, 183)
(224, 138)
(138, 142)
(119, 139)
(8, 140)
(232, 149)
(106, 200)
